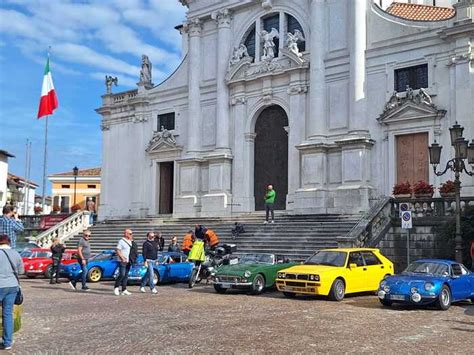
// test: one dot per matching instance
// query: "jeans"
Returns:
(268, 208)
(82, 276)
(122, 277)
(55, 269)
(7, 300)
(148, 275)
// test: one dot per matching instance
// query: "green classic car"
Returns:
(254, 272)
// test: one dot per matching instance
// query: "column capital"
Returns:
(193, 27)
(222, 17)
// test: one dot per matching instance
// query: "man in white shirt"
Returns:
(123, 252)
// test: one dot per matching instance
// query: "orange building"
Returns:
(68, 189)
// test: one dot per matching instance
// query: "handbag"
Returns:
(19, 294)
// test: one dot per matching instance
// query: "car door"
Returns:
(375, 270)
(177, 267)
(356, 276)
(460, 282)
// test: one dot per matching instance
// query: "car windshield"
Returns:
(102, 256)
(257, 259)
(26, 253)
(162, 259)
(330, 258)
(43, 254)
(430, 268)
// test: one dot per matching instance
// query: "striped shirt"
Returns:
(10, 226)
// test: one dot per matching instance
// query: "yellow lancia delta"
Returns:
(335, 272)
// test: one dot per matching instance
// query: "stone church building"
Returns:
(331, 101)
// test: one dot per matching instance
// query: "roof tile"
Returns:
(420, 12)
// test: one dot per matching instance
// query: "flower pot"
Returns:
(424, 195)
(399, 196)
(448, 195)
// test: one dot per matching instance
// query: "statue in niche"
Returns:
(268, 44)
(145, 72)
(292, 40)
(239, 53)
(109, 81)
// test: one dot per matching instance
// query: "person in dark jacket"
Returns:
(150, 254)
(160, 241)
(200, 231)
(57, 248)
(174, 247)
(238, 228)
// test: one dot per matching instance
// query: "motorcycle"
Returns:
(205, 270)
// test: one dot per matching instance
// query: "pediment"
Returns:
(163, 142)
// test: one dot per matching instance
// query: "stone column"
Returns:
(223, 19)
(194, 28)
(317, 127)
(357, 118)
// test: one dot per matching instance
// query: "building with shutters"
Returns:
(331, 101)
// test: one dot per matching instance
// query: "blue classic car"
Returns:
(169, 267)
(428, 281)
(101, 266)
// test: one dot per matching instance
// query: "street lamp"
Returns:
(75, 171)
(462, 151)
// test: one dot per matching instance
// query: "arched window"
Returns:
(250, 43)
(293, 25)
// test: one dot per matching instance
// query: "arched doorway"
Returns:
(271, 156)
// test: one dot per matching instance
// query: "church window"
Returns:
(166, 120)
(292, 26)
(65, 186)
(250, 43)
(91, 186)
(272, 21)
(415, 77)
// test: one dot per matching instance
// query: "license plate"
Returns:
(225, 285)
(397, 297)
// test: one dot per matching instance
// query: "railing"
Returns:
(64, 230)
(371, 228)
(124, 96)
(33, 222)
(431, 206)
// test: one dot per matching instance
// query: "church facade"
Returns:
(331, 101)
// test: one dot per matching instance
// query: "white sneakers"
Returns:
(116, 291)
(126, 293)
(142, 289)
(266, 222)
(154, 291)
(272, 221)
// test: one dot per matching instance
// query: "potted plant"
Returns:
(76, 208)
(38, 209)
(56, 209)
(402, 190)
(423, 189)
(447, 189)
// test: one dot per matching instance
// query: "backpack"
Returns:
(133, 256)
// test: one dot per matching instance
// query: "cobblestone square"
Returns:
(58, 320)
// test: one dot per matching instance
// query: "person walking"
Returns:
(83, 255)
(269, 201)
(90, 206)
(57, 250)
(124, 246)
(10, 224)
(10, 266)
(188, 241)
(150, 254)
(173, 247)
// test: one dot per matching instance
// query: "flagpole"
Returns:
(45, 161)
(25, 197)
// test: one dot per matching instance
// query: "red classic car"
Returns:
(37, 261)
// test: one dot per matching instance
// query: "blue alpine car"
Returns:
(428, 281)
(169, 267)
(101, 266)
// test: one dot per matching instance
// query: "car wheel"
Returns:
(289, 294)
(385, 303)
(444, 298)
(94, 274)
(258, 285)
(338, 290)
(220, 289)
(156, 278)
(48, 271)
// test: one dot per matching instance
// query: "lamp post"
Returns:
(75, 171)
(462, 151)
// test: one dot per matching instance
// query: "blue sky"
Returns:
(89, 39)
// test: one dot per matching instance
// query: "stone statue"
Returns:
(145, 72)
(239, 53)
(424, 97)
(109, 81)
(268, 44)
(292, 42)
(166, 136)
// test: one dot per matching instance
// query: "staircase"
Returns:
(296, 237)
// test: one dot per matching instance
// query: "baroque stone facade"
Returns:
(330, 66)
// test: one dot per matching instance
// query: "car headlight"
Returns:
(247, 273)
(414, 290)
(316, 277)
(429, 286)
(281, 275)
(386, 288)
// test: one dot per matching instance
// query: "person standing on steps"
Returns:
(124, 246)
(269, 201)
(150, 254)
(83, 255)
(57, 250)
(160, 241)
(173, 247)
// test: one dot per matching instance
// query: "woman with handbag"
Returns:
(10, 292)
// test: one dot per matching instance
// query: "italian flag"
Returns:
(49, 100)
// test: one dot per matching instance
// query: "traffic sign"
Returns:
(404, 206)
(406, 220)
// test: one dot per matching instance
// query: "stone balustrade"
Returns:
(431, 206)
(124, 96)
(64, 230)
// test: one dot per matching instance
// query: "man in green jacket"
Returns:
(269, 200)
